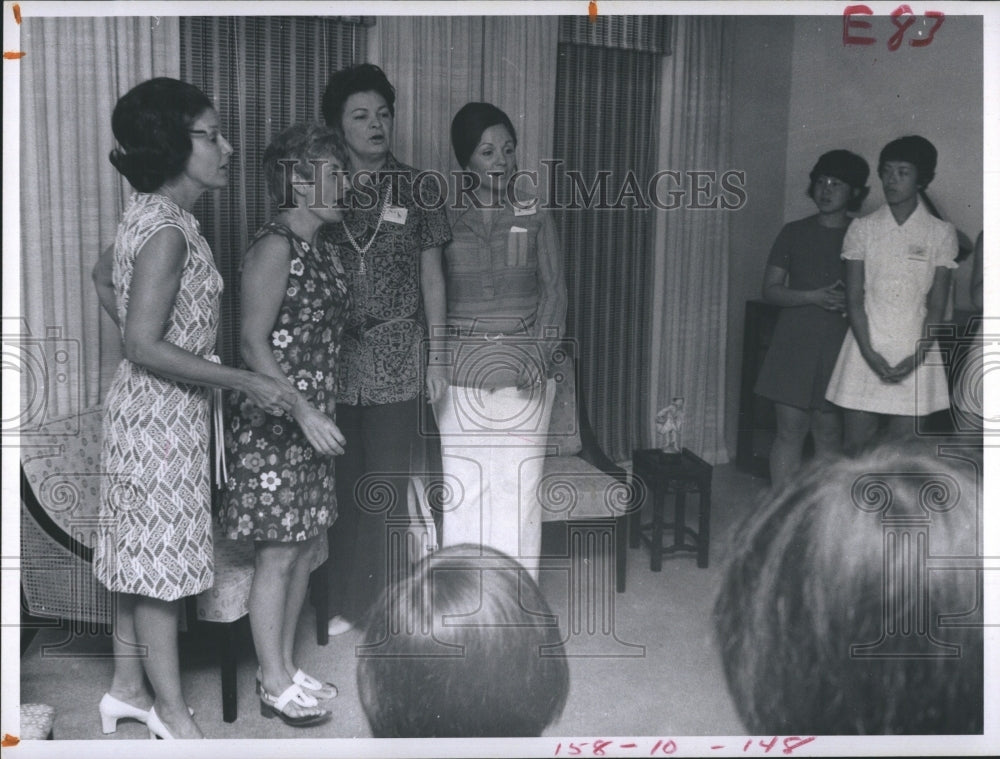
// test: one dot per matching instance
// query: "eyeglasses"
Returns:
(831, 182)
(212, 136)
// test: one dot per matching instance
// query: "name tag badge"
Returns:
(395, 215)
(916, 253)
(517, 247)
(529, 211)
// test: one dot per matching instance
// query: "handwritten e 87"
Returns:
(858, 31)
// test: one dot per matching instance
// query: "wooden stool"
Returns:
(663, 474)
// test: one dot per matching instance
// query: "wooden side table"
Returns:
(660, 475)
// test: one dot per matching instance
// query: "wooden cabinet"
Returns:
(755, 432)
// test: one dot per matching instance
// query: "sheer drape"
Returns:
(519, 76)
(690, 282)
(606, 112)
(438, 64)
(435, 64)
(71, 196)
(263, 74)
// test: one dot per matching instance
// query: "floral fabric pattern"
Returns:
(279, 487)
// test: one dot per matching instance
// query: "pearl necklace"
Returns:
(362, 251)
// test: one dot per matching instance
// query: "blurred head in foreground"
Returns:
(465, 647)
(833, 618)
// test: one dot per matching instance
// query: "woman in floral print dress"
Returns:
(281, 493)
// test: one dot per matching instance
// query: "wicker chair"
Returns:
(60, 468)
(36, 722)
(60, 491)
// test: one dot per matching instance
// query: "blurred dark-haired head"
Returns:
(828, 620)
(150, 123)
(465, 647)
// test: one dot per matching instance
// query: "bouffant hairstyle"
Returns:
(365, 77)
(829, 576)
(912, 149)
(465, 647)
(846, 166)
(292, 150)
(150, 123)
(469, 124)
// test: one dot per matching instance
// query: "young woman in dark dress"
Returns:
(805, 276)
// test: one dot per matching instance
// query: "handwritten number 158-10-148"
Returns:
(668, 746)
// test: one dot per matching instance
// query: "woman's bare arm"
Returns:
(155, 282)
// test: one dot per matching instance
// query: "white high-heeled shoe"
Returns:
(338, 626)
(156, 728)
(113, 710)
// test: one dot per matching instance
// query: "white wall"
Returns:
(861, 97)
(798, 91)
(758, 146)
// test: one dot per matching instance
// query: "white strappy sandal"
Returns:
(274, 706)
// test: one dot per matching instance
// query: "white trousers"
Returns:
(493, 453)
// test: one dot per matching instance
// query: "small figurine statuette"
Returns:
(669, 424)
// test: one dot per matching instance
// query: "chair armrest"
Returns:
(56, 533)
(591, 450)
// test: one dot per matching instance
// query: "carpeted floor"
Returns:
(655, 674)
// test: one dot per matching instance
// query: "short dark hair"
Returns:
(807, 581)
(150, 123)
(299, 142)
(469, 124)
(913, 149)
(365, 77)
(424, 672)
(846, 166)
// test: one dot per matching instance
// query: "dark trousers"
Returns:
(372, 479)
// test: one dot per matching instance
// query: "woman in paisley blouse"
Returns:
(294, 304)
(391, 244)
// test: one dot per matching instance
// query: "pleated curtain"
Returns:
(648, 289)
(606, 121)
(438, 64)
(690, 284)
(435, 64)
(263, 74)
(72, 198)
(519, 76)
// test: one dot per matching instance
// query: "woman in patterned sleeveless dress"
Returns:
(155, 545)
(281, 493)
